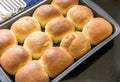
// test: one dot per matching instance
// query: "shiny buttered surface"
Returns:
(41, 46)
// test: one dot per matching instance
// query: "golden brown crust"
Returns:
(14, 58)
(32, 72)
(45, 13)
(64, 5)
(79, 15)
(58, 28)
(25, 26)
(36, 43)
(97, 29)
(7, 40)
(76, 44)
(56, 60)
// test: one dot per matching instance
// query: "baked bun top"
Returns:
(32, 72)
(97, 29)
(37, 43)
(7, 40)
(45, 13)
(25, 26)
(76, 44)
(79, 15)
(55, 60)
(58, 28)
(14, 58)
(64, 5)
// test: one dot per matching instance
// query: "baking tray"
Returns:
(98, 11)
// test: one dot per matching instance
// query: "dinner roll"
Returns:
(97, 29)
(7, 40)
(58, 28)
(32, 72)
(64, 5)
(14, 58)
(36, 43)
(55, 60)
(25, 26)
(45, 13)
(79, 15)
(76, 44)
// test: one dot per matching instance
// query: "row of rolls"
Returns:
(39, 47)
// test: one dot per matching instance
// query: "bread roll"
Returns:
(55, 60)
(7, 40)
(32, 72)
(97, 29)
(36, 43)
(25, 26)
(14, 58)
(76, 44)
(58, 28)
(45, 13)
(79, 15)
(64, 5)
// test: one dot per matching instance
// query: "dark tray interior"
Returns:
(98, 12)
